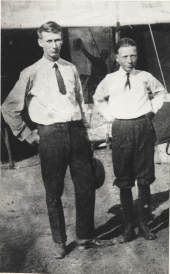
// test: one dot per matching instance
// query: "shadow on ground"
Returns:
(16, 246)
(113, 227)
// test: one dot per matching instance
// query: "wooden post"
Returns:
(8, 147)
(117, 32)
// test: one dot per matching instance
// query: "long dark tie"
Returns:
(60, 80)
(127, 84)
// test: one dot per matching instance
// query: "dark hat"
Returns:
(99, 173)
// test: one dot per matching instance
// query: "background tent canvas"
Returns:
(30, 14)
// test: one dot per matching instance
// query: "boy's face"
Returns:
(127, 57)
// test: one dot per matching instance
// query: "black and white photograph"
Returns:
(85, 137)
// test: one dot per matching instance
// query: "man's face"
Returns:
(127, 57)
(51, 44)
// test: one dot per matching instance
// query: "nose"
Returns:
(129, 59)
(54, 44)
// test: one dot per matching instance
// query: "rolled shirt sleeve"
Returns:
(79, 94)
(158, 91)
(101, 97)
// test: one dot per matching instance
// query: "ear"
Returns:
(117, 58)
(40, 43)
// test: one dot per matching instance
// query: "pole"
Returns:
(156, 52)
(117, 32)
(8, 147)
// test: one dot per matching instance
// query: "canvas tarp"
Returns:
(32, 13)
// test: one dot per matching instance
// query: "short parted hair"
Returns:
(49, 27)
(125, 42)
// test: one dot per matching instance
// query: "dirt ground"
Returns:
(25, 238)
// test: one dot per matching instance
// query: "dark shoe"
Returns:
(145, 232)
(129, 234)
(60, 250)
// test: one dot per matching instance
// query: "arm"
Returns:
(101, 97)
(12, 110)
(79, 95)
(85, 52)
(88, 55)
(158, 93)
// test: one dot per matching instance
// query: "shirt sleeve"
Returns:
(13, 106)
(79, 94)
(101, 98)
(158, 93)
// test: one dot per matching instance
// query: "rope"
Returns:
(153, 40)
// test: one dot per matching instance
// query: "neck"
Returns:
(129, 71)
(52, 59)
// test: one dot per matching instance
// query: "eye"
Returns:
(58, 40)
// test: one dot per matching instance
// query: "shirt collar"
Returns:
(50, 63)
(123, 72)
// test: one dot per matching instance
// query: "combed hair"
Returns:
(49, 27)
(125, 42)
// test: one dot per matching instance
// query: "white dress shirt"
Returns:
(48, 105)
(114, 100)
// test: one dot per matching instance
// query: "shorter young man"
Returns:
(123, 98)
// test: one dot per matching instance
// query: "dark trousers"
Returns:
(133, 151)
(62, 145)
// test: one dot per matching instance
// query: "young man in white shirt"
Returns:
(123, 97)
(56, 107)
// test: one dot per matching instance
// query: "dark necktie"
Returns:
(127, 84)
(60, 80)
